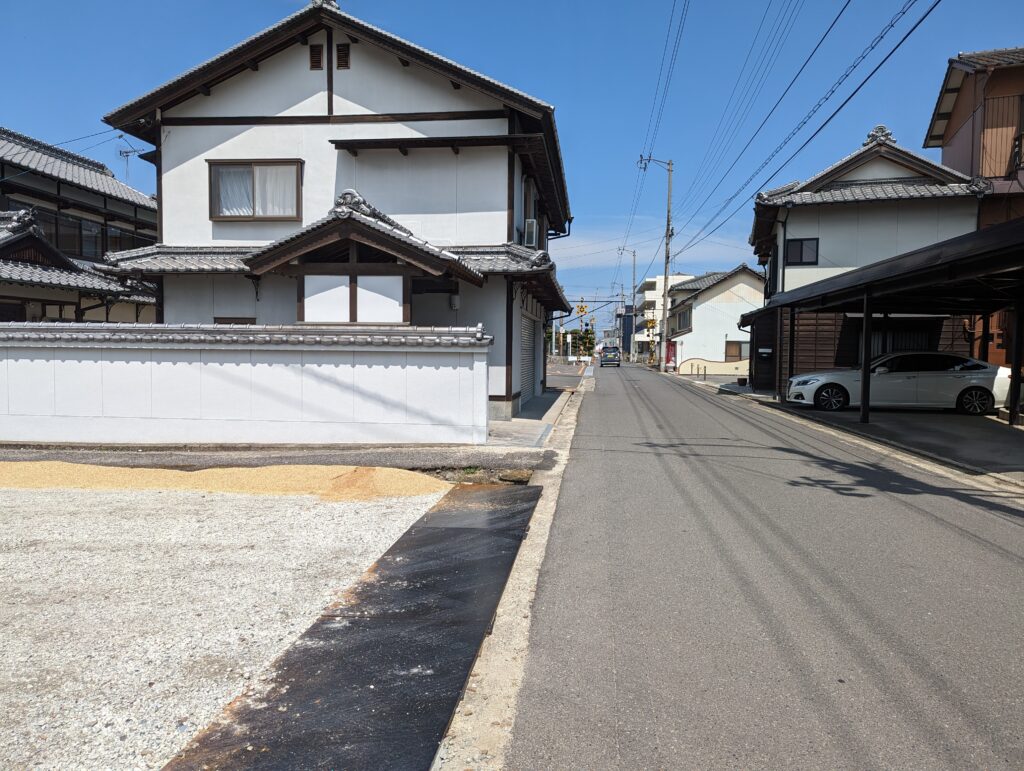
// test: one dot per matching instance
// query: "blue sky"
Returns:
(597, 61)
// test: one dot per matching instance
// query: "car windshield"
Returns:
(611, 350)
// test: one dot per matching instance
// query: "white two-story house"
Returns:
(877, 202)
(704, 314)
(327, 172)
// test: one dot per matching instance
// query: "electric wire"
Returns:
(771, 112)
(697, 239)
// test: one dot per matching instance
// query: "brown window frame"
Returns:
(316, 56)
(253, 162)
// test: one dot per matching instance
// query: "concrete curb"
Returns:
(481, 730)
(989, 476)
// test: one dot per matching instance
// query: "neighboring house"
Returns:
(648, 313)
(38, 282)
(705, 311)
(325, 171)
(59, 213)
(81, 208)
(978, 122)
(877, 202)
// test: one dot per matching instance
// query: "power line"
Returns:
(694, 241)
(771, 112)
(651, 137)
(715, 134)
(775, 41)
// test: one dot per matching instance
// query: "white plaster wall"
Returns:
(477, 305)
(283, 85)
(878, 168)
(378, 83)
(199, 299)
(853, 235)
(301, 394)
(442, 197)
(715, 316)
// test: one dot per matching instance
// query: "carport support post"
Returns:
(865, 364)
(986, 333)
(792, 343)
(1017, 361)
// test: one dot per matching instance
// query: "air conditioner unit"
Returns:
(530, 237)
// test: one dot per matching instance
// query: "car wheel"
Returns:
(831, 397)
(975, 401)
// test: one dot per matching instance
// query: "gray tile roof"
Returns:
(342, 18)
(503, 258)
(818, 190)
(700, 282)
(162, 258)
(351, 205)
(997, 57)
(78, 274)
(48, 160)
(875, 190)
(45, 275)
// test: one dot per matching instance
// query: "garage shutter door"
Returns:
(528, 358)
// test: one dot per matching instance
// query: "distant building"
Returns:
(624, 322)
(647, 334)
(705, 312)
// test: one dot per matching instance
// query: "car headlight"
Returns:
(807, 381)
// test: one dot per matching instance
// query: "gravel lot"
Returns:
(129, 618)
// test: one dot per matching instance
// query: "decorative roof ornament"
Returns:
(879, 133)
(332, 4)
(350, 200)
(21, 221)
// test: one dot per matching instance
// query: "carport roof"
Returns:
(979, 272)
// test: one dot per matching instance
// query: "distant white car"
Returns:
(933, 380)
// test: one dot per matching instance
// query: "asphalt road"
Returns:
(725, 587)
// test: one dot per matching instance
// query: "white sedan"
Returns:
(909, 380)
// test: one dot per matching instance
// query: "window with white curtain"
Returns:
(255, 190)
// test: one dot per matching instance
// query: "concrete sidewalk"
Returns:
(983, 446)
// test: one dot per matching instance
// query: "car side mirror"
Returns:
(881, 370)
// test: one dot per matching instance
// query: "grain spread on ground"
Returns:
(136, 603)
(329, 483)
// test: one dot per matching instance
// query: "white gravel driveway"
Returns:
(129, 618)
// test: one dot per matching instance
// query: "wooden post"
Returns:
(1017, 361)
(792, 350)
(865, 363)
(986, 336)
(778, 357)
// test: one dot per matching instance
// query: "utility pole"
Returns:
(664, 289)
(668, 166)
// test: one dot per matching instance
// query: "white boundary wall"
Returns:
(205, 384)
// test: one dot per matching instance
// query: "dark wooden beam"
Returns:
(404, 62)
(351, 38)
(204, 90)
(303, 39)
(455, 85)
(254, 65)
(296, 120)
(403, 150)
